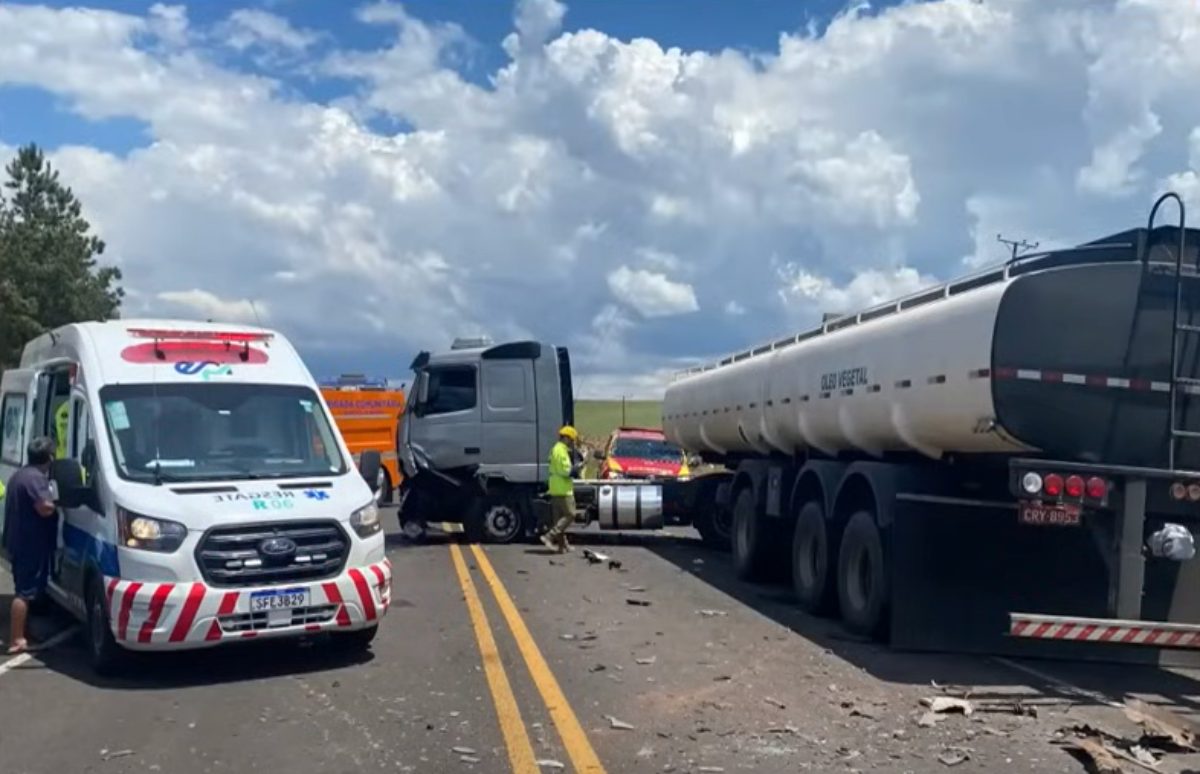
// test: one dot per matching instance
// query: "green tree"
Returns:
(48, 270)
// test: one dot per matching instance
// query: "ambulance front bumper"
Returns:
(181, 616)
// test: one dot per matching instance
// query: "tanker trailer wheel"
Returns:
(757, 553)
(714, 525)
(864, 586)
(812, 558)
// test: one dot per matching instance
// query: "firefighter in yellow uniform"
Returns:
(562, 490)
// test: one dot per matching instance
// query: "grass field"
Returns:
(595, 419)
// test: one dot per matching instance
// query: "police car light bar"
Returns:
(188, 335)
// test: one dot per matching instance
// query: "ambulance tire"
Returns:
(357, 641)
(106, 656)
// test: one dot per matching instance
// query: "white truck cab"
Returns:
(205, 494)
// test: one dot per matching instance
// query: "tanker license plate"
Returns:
(1041, 515)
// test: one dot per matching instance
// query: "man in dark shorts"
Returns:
(29, 534)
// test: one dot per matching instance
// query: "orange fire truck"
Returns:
(368, 414)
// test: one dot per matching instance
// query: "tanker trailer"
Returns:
(1008, 462)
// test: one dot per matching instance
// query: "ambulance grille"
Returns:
(235, 555)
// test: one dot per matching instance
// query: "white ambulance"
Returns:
(205, 496)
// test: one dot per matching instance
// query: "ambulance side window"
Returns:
(12, 429)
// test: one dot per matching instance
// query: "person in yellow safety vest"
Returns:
(562, 490)
(62, 418)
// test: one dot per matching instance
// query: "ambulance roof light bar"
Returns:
(239, 337)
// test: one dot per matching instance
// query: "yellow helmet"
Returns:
(569, 432)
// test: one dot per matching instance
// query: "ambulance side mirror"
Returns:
(73, 490)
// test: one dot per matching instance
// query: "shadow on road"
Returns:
(1030, 683)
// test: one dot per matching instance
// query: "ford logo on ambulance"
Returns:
(277, 547)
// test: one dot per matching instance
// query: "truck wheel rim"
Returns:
(501, 523)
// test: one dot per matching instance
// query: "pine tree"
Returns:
(48, 270)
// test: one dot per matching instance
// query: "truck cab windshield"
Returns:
(209, 432)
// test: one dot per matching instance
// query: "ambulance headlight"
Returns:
(366, 520)
(147, 533)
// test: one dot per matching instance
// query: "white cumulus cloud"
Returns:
(418, 199)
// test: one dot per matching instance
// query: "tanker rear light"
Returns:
(1073, 487)
(1181, 491)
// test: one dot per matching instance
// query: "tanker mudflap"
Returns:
(958, 573)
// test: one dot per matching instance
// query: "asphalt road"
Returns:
(510, 659)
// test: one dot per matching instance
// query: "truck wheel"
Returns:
(811, 580)
(756, 547)
(105, 655)
(494, 520)
(715, 525)
(864, 588)
(384, 482)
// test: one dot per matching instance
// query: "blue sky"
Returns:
(649, 183)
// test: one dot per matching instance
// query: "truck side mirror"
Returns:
(369, 464)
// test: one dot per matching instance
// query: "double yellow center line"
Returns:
(516, 738)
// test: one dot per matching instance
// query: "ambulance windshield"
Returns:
(210, 432)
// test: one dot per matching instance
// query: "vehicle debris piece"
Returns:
(947, 704)
(550, 763)
(647, 661)
(774, 702)
(953, 756)
(463, 750)
(469, 759)
(712, 613)
(594, 557)
(1101, 748)
(108, 756)
(637, 602)
(620, 725)
(1163, 729)
(930, 719)
(614, 564)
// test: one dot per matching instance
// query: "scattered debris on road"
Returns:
(620, 725)
(712, 613)
(647, 661)
(637, 602)
(952, 756)
(1163, 729)
(594, 557)
(549, 763)
(774, 702)
(945, 704)
(108, 756)
(463, 750)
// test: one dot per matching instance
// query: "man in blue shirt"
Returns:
(29, 534)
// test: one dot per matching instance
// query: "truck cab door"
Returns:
(510, 443)
(17, 399)
(445, 422)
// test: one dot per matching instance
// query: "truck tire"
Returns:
(715, 525)
(757, 553)
(494, 519)
(384, 495)
(864, 587)
(812, 561)
(105, 655)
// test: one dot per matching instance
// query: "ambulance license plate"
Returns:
(283, 599)
(1043, 515)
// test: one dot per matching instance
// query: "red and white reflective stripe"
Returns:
(175, 613)
(1163, 635)
(1089, 380)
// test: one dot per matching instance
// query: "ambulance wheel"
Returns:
(864, 587)
(105, 655)
(356, 641)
